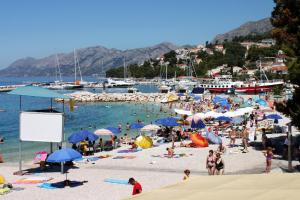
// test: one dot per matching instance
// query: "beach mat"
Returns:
(59, 185)
(117, 181)
(129, 150)
(32, 180)
(124, 157)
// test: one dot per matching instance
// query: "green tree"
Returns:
(286, 22)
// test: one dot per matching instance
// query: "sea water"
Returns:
(87, 116)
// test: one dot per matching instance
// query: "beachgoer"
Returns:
(1, 140)
(285, 146)
(269, 157)
(137, 188)
(1, 159)
(127, 126)
(210, 163)
(232, 136)
(220, 165)
(245, 139)
(221, 149)
(170, 152)
(264, 138)
(186, 174)
(100, 144)
(120, 126)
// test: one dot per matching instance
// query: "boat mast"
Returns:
(124, 67)
(58, 69)
(75, 64)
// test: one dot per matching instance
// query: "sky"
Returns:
(38, 28)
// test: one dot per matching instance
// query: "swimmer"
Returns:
(1, 140)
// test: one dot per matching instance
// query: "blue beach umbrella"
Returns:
(198, 125)
(262, 102)
(274, 116)
(169, 121)
(64, 155)
(237, 120)
(82, 135)
(136, 126)
(114, 130)
(223, 118)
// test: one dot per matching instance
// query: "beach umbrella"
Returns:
(136, 126)
(103, 132)
(223, 118)
(40, 156)
(169, 121)
(150, 127)
(198, 116)
(274, 116)
(262, 102)
(197, 125)
(82, 135)
(114, 130)
(183, 112)
(237, 120)
(212, 114)
(144, 142)
(64, 155)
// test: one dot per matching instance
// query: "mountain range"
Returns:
(93, 60)
(260, 26)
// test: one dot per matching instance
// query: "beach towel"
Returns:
(32, 180)
(129, 150)
(4, 191)
(124, 157)
(117, 181)
(47, 186)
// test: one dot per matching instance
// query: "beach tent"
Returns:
(169, 121)
(144, 142)
(246, 187)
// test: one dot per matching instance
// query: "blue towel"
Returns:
(117, 181)
(47, 186)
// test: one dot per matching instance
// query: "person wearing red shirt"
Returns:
(137, 188)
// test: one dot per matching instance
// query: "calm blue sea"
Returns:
(88, 116)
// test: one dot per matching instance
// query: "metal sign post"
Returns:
(290, 167)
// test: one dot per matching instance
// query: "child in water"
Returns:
(186, 174)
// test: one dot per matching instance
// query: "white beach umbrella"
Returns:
(103, 132)
(183, 112)
(199, 115)
(150, 127)
(213, 114)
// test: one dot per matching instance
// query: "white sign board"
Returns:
(41, 126)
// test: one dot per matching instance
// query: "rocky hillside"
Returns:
(260, 26)
(89, 60)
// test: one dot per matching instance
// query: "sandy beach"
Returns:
(151, 172)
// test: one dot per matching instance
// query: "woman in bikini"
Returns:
(210, 163)
(220, 165)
